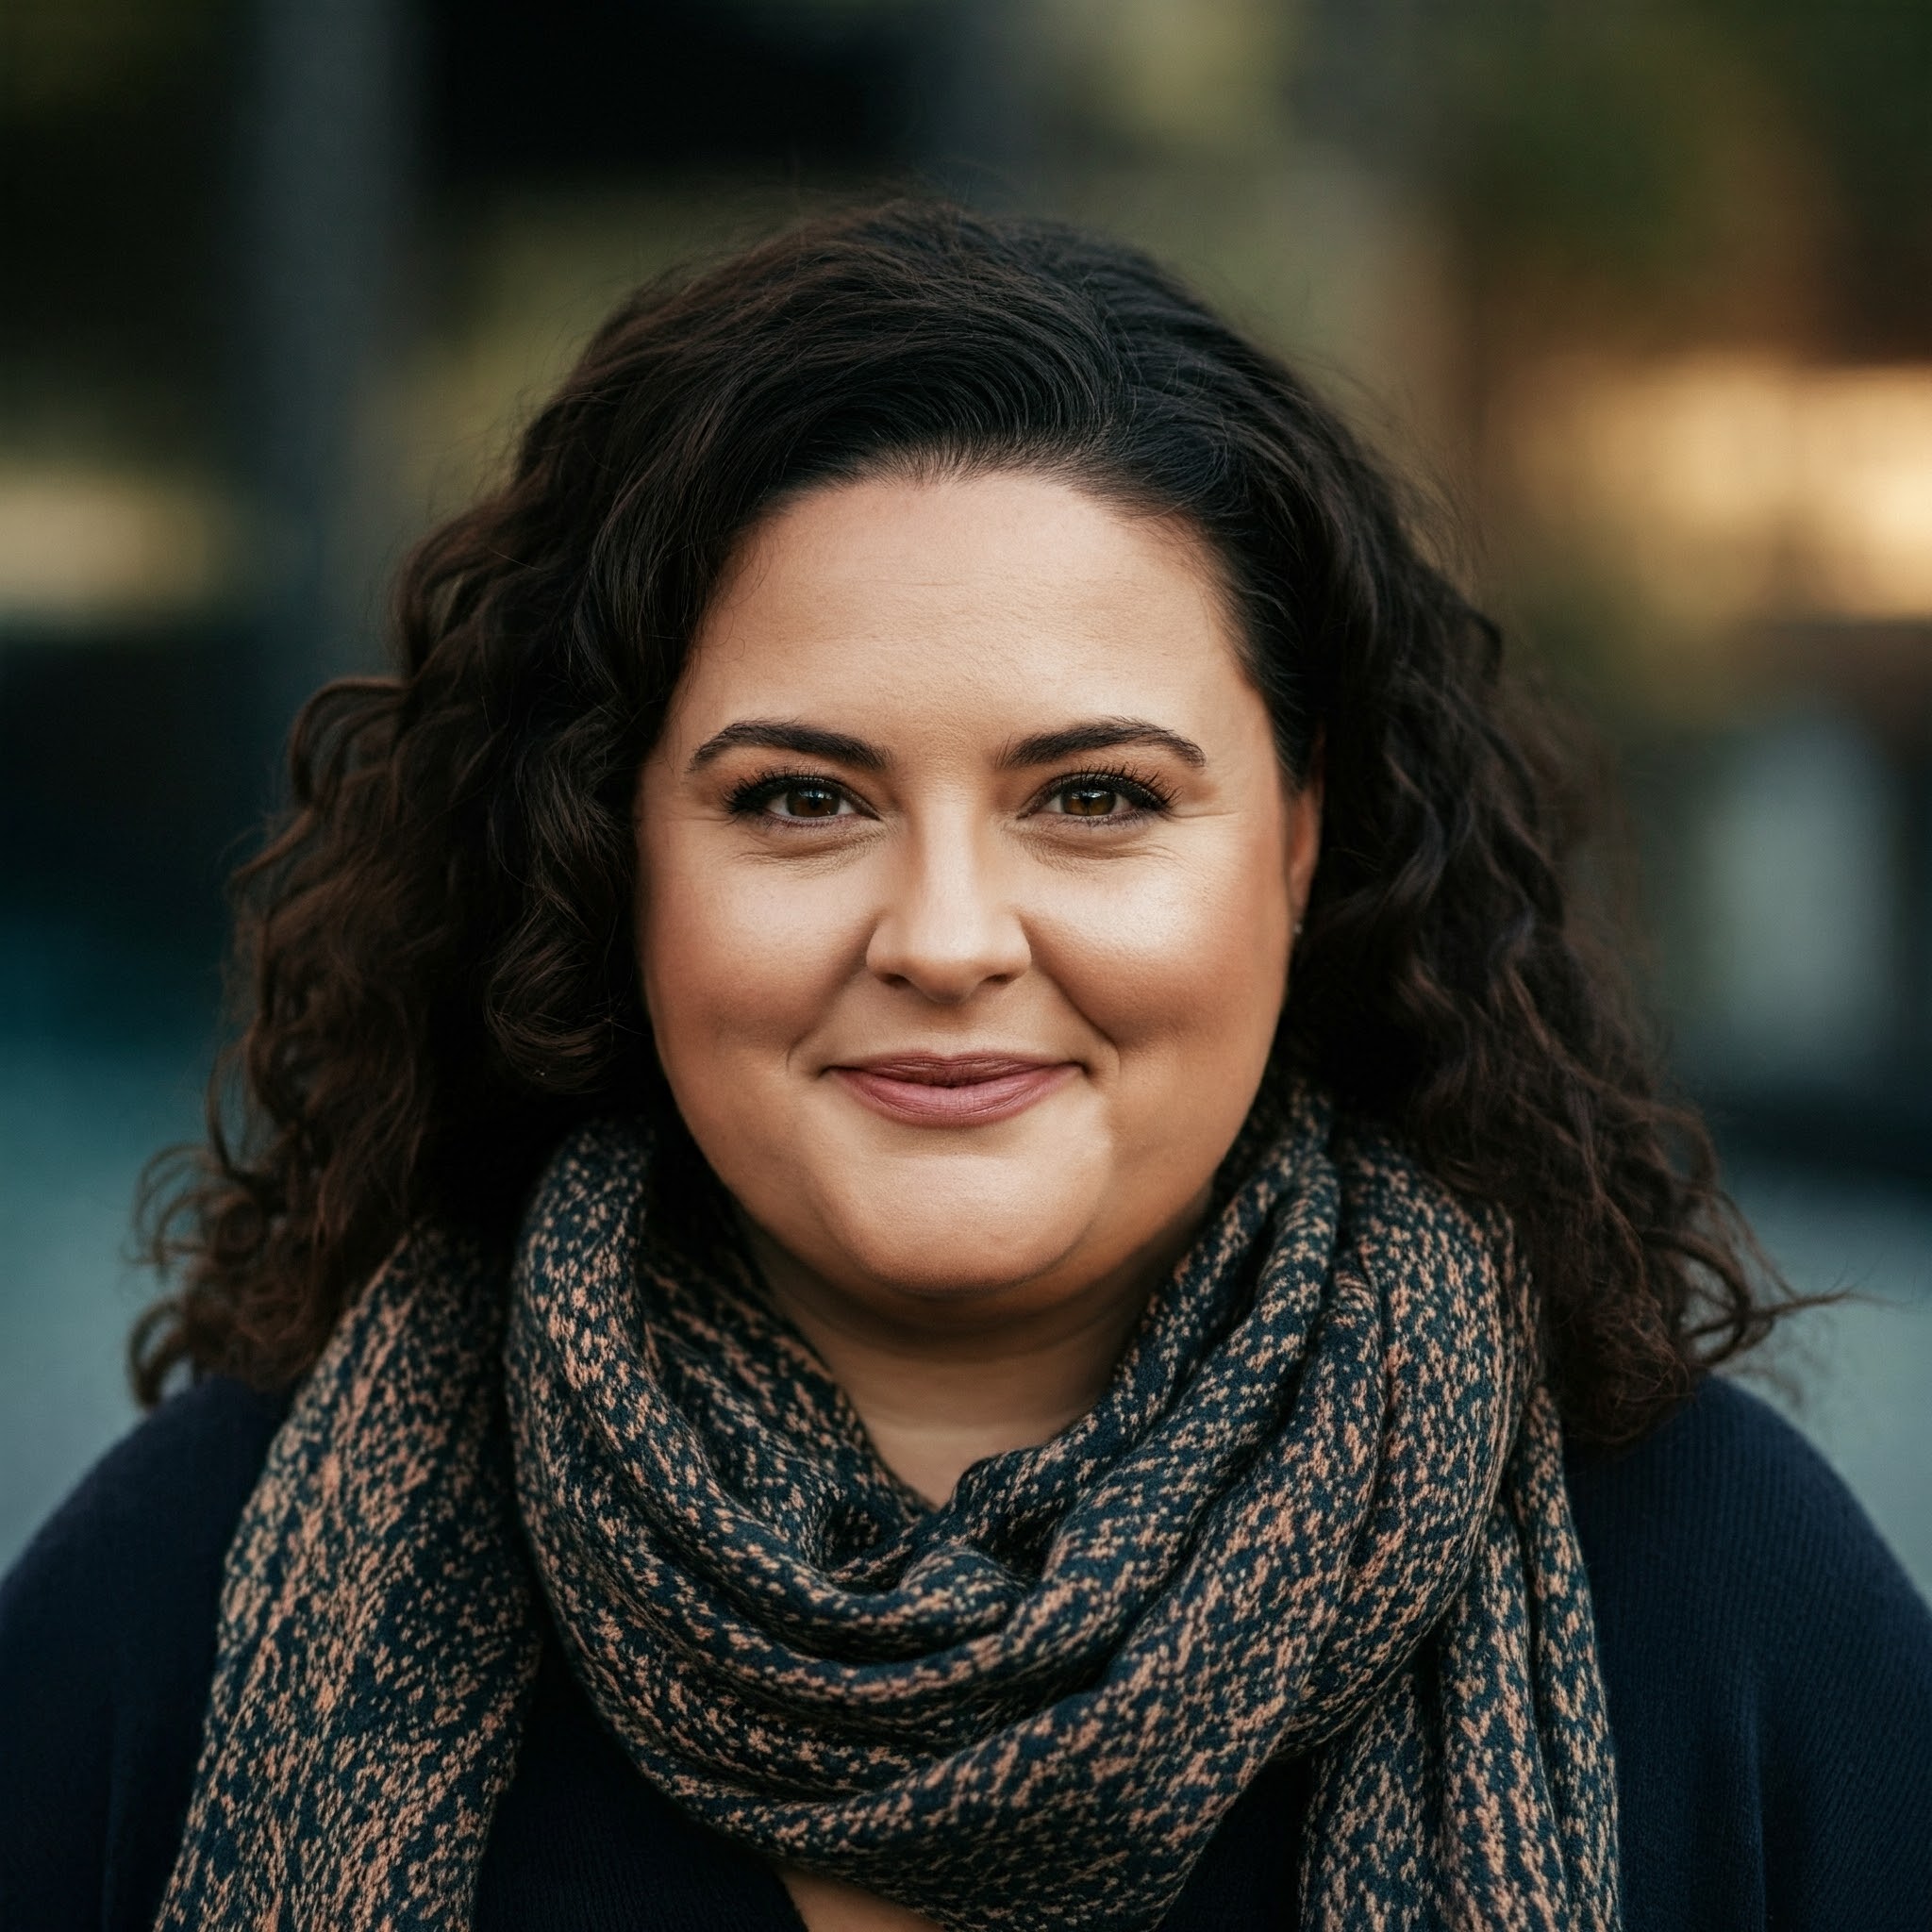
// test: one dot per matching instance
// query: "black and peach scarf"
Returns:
(1319, 1511)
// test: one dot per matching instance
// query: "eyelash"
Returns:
(750, 799)
(1144, 795)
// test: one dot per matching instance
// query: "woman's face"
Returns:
(968, 881)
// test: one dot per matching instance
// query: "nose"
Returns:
(948, 929)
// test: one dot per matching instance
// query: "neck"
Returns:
(940, 1388)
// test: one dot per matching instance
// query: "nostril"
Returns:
(948, 949)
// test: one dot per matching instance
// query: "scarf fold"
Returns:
(1319, 1511)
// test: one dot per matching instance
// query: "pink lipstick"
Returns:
(965, 1090)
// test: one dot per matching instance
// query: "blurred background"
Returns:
(1640, 296)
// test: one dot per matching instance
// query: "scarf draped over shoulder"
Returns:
(1319, 1511)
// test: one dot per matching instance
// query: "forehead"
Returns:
(959, 591)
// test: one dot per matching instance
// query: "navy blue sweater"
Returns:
(1768, 1666)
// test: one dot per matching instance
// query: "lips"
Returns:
(958, 1090)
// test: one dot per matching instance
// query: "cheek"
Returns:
(734, 958)
(1190, 961)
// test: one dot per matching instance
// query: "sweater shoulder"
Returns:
(107, 1629)
(1768, 1672)
(153, 1512)
(1727, 1518)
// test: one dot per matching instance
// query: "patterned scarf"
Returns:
(1319, 1509)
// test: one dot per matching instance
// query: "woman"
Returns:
(932, 1188)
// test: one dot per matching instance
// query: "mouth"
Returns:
(958, 1090)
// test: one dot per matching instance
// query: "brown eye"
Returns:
(809, 802)
(1088, 801)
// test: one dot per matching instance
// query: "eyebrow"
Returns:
(780, 734)
(1040, 748)
(1098, 733)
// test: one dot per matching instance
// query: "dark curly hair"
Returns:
(435, 946)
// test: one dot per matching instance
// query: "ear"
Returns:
(1305, 832)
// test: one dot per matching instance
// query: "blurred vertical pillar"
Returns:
(328, 165)
(1799, 905)
(1915, 926)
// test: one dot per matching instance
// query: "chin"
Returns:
(950, 1260)
(942, 1256)
(925, 1224)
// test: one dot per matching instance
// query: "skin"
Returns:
(1119, 917)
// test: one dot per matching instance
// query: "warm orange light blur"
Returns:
(1734, 486)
